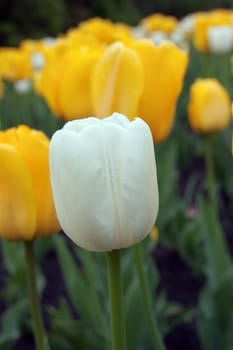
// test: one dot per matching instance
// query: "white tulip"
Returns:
(220, 39)
(104, 181)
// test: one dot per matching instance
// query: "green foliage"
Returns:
(26, 108)
(46, 18)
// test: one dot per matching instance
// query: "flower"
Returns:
(205, 38)
(209, 106)
(117, 82)
(220, 39)
(65, 82)
(164, 68)
(159, 22)
(26, 204)
(14, 64)
(140, 79)
(104, 181)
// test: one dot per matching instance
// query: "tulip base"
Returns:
(40, 339)
(116, 300)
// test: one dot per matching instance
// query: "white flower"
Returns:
(220, 38)
(104, 181)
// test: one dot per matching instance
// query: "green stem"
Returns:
(39, 334)
(89, 265)
(157, 340)
(210, 177)
(116, 300)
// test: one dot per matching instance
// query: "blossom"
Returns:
(26, 203)
(104, 181)
(209, 106)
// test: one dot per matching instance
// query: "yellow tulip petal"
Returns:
(35, 151)
(209, 106)
(117, 82)
(17, 206)
(33, 147)
(164, 69)
(74, 87)
(46, 84)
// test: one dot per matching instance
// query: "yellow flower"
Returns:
(105, 31)
(65, 82)
(26, 202)
(209, 106)
(159, 22)
(14, 64)
(164, 69)
(206, 21)
(75, 83)
(117, 82)
(140, 80)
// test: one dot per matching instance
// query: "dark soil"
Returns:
(181, 286)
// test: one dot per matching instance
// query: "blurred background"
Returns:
(37, 19)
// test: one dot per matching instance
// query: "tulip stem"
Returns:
(116, 300)
(38, 326)
(147, 300)
(210, 178)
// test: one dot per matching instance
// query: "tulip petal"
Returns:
(82, 186)
(117, 82)
(17, 205)
(139, 181)
(74, 87)
(104, 189)
(167, 64)
(79, 124)
(33, 147)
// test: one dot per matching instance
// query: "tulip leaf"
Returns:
(12, 321)
(67, 333)
(77, 287)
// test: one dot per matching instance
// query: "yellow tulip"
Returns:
(14, 64)
(105, 31)
(46, 84)
(207, 20)
(159, 22)
(164, 69)
(142, 79)
(209, 106)
(74, 88)
(117, 82)
(65, 82)
(26, 203)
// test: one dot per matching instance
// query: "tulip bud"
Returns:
(104, 181)
(209, 106)
(26, 203)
